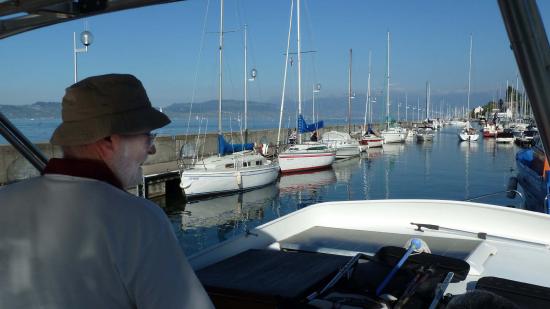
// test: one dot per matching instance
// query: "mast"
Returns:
(299, 67)
(427, 101)
(418, 108)
(367, 104)
(284, 78)
(516, 99)
(349, 91)
(469, 82)
(220, 76)
(406, 107)
(245, 89)
(388, 84)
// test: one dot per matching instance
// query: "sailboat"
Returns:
(236, 167)
(425, 132)
(346, 147)
(468, 133)
(368, 138)
(392, 133)
(308, 155)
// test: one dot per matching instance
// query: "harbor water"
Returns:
(442, 169)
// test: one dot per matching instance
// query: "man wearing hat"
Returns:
(73, 237)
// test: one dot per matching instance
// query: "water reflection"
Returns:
(306, 181)
(368, 178)
(344, 168)
(230, 209)
(393, 149)
(302, 189)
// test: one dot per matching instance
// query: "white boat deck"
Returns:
(494, 241)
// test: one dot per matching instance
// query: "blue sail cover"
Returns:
(226, 148)
(370, 130)
(303, 127)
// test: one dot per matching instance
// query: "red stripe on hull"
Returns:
(298, 170)
(307, 156)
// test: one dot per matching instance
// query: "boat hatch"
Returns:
(349, 242)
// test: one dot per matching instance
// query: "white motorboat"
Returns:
(505, 137)
(424, 134)
(229, 171)
(468, 133)
(240, 171)
(306, 156)
(346, 147)
(394, 135)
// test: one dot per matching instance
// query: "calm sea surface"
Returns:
(40, 130)
(442, 169)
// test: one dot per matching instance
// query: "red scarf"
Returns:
(93, 169)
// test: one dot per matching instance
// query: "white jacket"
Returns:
(71, 242)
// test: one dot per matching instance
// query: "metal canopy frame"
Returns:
(17, 16)
(530, 45)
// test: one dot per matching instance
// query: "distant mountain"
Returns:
(36, 110)
(325, 107)
(210, 108)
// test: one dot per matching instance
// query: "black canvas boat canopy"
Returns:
(17, 16)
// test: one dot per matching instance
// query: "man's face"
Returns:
(130, 154)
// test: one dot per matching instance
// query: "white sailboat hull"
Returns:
(372, 141)
(424, 137)
(303, 157)
(393, 136)
(468, 137)
(237, 172)
(346, 147)
(296, 162)
(505, 140)
(197, 182)
(347, 151)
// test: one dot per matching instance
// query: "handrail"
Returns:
(22, 144)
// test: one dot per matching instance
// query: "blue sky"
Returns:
(162, 46)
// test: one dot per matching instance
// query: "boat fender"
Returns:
(239, 179)
(512, 187)
(265, 149)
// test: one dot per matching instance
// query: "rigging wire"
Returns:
(193, 93)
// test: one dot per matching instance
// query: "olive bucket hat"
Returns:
(100, 106)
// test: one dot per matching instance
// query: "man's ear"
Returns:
(108, 146)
